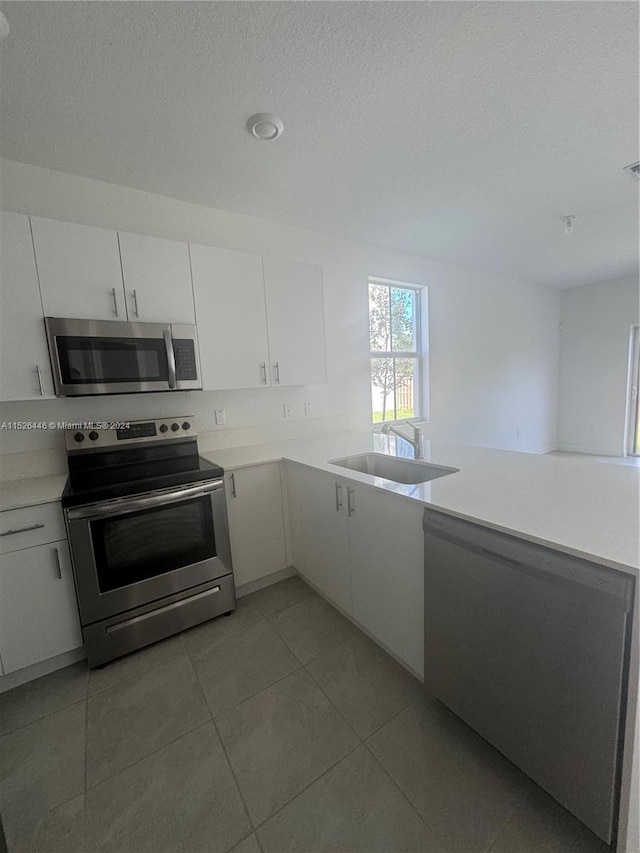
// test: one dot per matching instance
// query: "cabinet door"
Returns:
(25, 373)
(325, 535)
(295, 317)
(228, 289)
(292, 475)
(38, 611)
(387, 570)
(79, 270)
(157, 279)
(256, 521)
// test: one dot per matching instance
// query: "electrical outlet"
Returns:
(308, 409)
(221, 417)
(286, 410)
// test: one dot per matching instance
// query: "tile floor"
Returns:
(281, 729)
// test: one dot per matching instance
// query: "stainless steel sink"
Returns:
(394, 468)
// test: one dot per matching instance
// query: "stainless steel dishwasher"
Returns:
(530, 647)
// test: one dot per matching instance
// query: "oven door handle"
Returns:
(171, 358)
(122, 506)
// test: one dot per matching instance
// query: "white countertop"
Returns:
(577, 505)
(31, 491)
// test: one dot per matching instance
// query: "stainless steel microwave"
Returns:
(90, 357)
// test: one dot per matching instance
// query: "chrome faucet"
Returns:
(415, 442)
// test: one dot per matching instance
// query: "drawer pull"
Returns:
(58, 566)
(22, 530)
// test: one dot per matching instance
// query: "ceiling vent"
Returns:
(633, 169)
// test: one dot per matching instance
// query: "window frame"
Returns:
(420, 355)
(633, 416)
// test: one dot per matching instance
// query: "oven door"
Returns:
(135, 550)
(111, 357)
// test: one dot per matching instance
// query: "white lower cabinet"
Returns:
(323, 520)
(256, 521)
(38, 610)
(364, 550)
(387, 571)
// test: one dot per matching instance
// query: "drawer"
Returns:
(31, 525)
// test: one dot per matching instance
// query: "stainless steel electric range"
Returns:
(148, 533)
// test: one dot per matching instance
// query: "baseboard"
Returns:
(267, 580)
(37, 670)
(417, 674)
(590, 451)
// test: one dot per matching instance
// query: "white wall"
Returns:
(494, 341)
(594, 359)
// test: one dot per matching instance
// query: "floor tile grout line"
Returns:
(44, 716)
(137, 674)
(40, 719)
(149, 754)
(333, 705)
(423, 820)
(253, 695)
(224, 751)
(308, 785)
(391, 719)
(245, 698)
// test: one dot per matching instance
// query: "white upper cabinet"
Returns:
(79, 270)
(229, 295)
(295, 318)
(24, 359)
(157, 279)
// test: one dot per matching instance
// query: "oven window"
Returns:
(86, 360)
(152, 542)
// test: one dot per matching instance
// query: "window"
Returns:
(397, 350)
(633, 423)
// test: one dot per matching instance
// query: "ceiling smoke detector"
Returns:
(265, 126)
(633, 169)
(568, 221)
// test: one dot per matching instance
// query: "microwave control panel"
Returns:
(185, 356)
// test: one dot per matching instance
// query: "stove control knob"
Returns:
(175, 427)
(163, 427)
(186, 425)
(93, 435)
(79, 436)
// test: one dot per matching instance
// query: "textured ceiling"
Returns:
(457, 130)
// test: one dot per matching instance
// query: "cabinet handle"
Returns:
(276, 368)
(233, 485)
(135, 303)
(58, 566)
(263, 368)
(338, 497)
(351, 502)
(22, 530)
(115, 301)
(40, 385)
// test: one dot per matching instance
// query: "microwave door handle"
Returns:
(171, 358)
